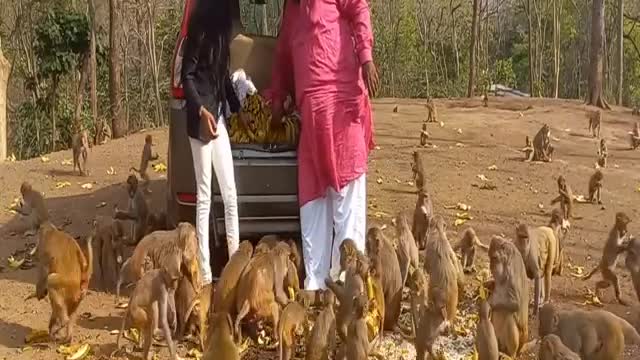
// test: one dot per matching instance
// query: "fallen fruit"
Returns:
(66, 162)
(62, 184)
(44, 159)
(159, 167)
(13, 263)
(37, 337)
(87, 186)
(80, 353)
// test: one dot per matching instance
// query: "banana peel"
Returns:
(292, 293)
(132, 335)
(159, 167)
(14, 263)
(74, 352)
(37, 337)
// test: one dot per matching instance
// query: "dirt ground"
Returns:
(470, 140)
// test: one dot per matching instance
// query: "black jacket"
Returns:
(199, 89)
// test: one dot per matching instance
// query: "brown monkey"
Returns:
(432, 112)
(541, 255)
(616, 244)
(64, 272)
(80, 148)
(527, 149)
(187, 309)
(417, 167)
(32, 206)
(635, 136)
(220, 344)
(565, 198)
(422, 218)
(444, 269)
(417, 284)
(552, 348)
(635, 111)
(595, 187)
(224, 296)
(509, 299)
(542, 148)
(424, 135)
(157, 221)
(260, 289)
(149, 304)
(138, 210)
(432, 322)
(147, 156)
(486, 342)
(378, 246)
(467, 247)
(595, 119)
(560, 227)
(356, 346)
(593, 334)
(109, 239)
(603, 153)
(292, 322)
(406, 248)
(268, 242)
(322, 340)
(485, 100)
(632, 263)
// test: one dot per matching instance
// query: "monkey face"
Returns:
(132, 185)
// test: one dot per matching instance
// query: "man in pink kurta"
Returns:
(324, 56)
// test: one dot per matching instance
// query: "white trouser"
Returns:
(325, 223)
(217, 153)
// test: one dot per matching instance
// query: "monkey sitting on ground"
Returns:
(322, 340)
(541, 254)
(138, 210)
(595, 119)
(188, 314)
(406, 248)
(224, 296)
(378, 246)
(527, 149)
(486, 342)
(552, 348)
(635, 111)
(149, 305)
(542, 148)
(417, 284)
(424, 135)
(80, 148)
(632, 263)
(417, 167)
(260, 290)
(220, 344)
(565, 198)
(109, 239)
(509, 298)
(603, 153)
(292, 323)
(270, 241)
(356, 345)
(432, 113)
(593, 334)
(467, 247)
(32, 207)
(147, 156)
(635, 136)
(432, 322)
(485, 100)
(422, 218)
(595, 187)
(616, 244)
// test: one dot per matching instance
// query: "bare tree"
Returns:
(531, 49)
(93, 73)
(596, 67)
(118, 127)
(472, 48)
(620, 49)
(557, 8)
(5, 70)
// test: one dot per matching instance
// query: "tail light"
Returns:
(187, 198)
(176, 70)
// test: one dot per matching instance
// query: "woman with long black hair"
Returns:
(208, 88)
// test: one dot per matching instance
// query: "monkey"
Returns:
(542, 148)
(356, 346)
(224, 298)
(375, 295)
(80, 148)
(157, 221)
(595, 187)
(560, 228)
(635, 111)
(109, 239)
(635, 136)
(616, 244)
(220, 343)
(632, 263)
(485, 100)
(149, 304)
(260, 292)
(417, 167)
(268, 242)
(406, 247)
(395, 109)
(32, 206)
(417, 284)
(540, 252)
(377, 245)
(603, 153)
(486, 342)
(147, 156)
(187, 305)
(444, 269)
(467, 247)
(552, 348)
(593, 334)
(422, 218)
(322, 340)
(433, 321)
(509, 298)
(432, 112)
(595, 119)
(565, 198)
(138, 210)
(527, 149)
(292, 322)
(424, 135)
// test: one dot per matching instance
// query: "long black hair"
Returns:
(211, 26)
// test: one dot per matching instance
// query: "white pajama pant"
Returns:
(217, 153)
(325, 223)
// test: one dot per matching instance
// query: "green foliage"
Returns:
(503, 73)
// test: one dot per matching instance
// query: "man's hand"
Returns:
(208, 123)
(371, 78)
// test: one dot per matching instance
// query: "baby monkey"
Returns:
(527, 149)
(603, 153)
(147, 156)
(595, 187)
(80, 148)
(424, 135)
(595, 119)
(565, 198)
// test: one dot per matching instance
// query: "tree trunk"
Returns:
(620, 49)
(531, 51)
(117, 121)
(77, 122)
(596, 66)
(93, 76)
(472, 49)
(556, 48)
(5, 70)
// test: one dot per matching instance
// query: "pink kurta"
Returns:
(321, 49)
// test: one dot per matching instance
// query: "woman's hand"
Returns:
(208, 123)
(371, 78)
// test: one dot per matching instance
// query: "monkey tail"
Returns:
(590, 274)
(125, 266)
(124, 323)
(134, 169)
(631, 335)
